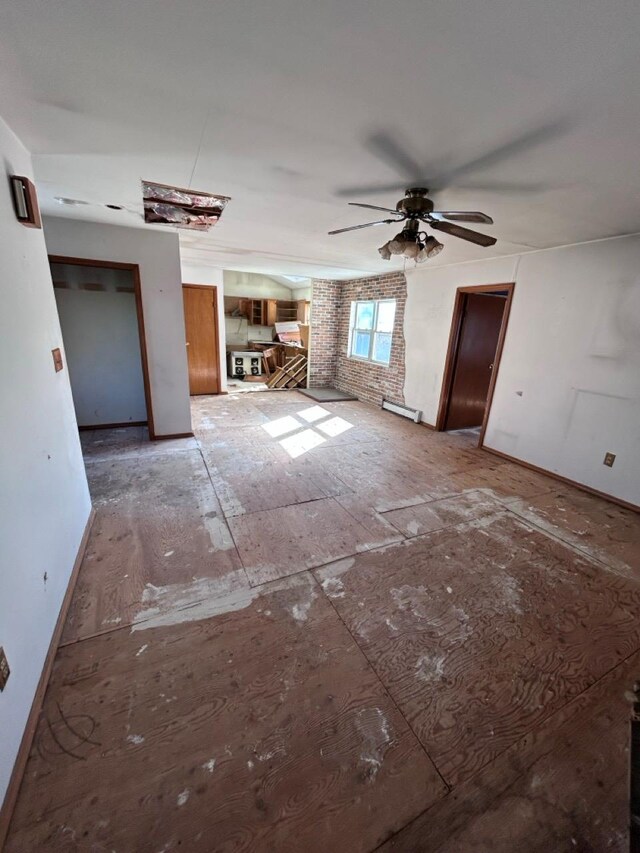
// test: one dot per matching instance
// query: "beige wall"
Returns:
(255, 286)
(568, 388)
(158, 255)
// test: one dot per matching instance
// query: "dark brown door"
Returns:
(476, 351)
(201, 326)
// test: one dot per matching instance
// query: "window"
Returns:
(371, 330)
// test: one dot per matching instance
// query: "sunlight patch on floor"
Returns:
(335, 426)
(281, 426)
(301, 442)
(314, 413)
(303, 437)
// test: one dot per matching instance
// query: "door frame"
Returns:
(135, 269)
(452, 350)
(216, 320)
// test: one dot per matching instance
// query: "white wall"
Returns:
(302, 292)
(254, 286)
(158, 255)
(568, 389)
(44, 500)
(211, 276)
(239, 332)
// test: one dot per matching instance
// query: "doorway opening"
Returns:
(202, 337)
(478, 328)
(100, 309)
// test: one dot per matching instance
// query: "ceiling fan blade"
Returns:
(518, 187)
(375, 207)
(463, 216)
(366, 225)
(463, 233)
(520, 145)
(387, 148)
(378, 189)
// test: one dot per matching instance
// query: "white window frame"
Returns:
(371, 332)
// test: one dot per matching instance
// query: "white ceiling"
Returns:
(278, 103)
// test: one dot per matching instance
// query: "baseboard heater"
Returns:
(404, 411)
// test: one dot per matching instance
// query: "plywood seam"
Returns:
(383, 686)
(513, 747)
(582, 552)
(233, 538)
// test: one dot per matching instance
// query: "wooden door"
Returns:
(201, 326)
(475, 355)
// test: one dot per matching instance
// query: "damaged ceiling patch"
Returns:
(167, 205)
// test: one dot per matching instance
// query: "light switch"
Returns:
(57, 359)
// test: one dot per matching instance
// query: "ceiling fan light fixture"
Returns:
(385, 252)
(411, 250)
(432, 247)
(396, 246)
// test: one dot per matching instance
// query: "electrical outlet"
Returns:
(609, 459)
(4, 669)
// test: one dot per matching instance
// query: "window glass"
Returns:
(364, 315)
(382, 347)
(386, 314)
(361, 342)
(372, 330)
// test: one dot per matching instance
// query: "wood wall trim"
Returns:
(143, 350)
(201, 286)
(496, 362)
(135, 269)
(11, 797)
(112, 426)
(487, 288)
(173, 435)
(561, 479)
(454, 337)
(90, 262)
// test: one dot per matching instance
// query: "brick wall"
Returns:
(367, 381)
(323, 350)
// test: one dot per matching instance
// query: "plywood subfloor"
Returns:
(261, 729)
(322, 627)
(480, 631)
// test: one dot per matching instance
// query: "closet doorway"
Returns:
(478, 329)
(100, 310)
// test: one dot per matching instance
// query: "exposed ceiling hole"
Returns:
(184, 208)
(114, 206)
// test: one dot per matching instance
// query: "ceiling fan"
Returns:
(415, 208)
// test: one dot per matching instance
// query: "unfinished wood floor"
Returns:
(325, 628)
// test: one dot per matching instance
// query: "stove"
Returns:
(244, 363)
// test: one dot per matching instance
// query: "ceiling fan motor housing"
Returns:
(415, 203)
